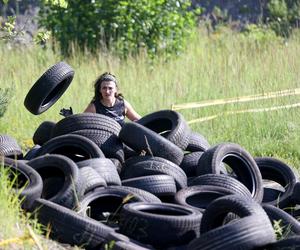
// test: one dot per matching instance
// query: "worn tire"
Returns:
(170, 124)
(26, 181)
(279, 172)
(140, 138)
(9, 147)
(60, 179)
(105, 168)
(49, 88)
(159, 185)
(288, 223)
(110, 144)
(69, 227)
(160, 225)
(84, 121)
(149, 165)
(239, 160)
(197, 142)
(43, 133)
(190, 162)
(90, 180)
(75, 147)
(251, 230)
(222, 180)
(199, 197)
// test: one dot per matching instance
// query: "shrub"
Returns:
(120, 26)
(5, 96)
(283, 15)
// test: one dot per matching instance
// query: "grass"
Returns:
(215, 66)
(17, 231)
(221, 65)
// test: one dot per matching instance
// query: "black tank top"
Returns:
(116, 112)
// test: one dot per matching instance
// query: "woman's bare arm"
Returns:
(90, 108)
(131, 114)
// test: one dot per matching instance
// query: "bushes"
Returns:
(5, 96)
(282, 15)
(124, 27)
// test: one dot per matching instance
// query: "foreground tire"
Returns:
(160, 225)
(69, 227)
(239, 160)
(251, 230)
(60, 178)
(49, 88)
(27, 183)
(279, 172)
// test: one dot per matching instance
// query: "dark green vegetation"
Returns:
(127, 27)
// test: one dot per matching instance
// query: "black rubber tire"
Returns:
(140, 138)
(129, 152)
(49, 88)
(149, 165)
(272, 190)
(60, 179)
(69, 227)
(291, 243)
(26, 182)
(239, 160)
(147, 196)
(190, 162)
(159, 185)
(119, 241)
(289, 225)
(104, 204)
(170, 124)
(277, 171)
(197, 142)
(117, 164)
(296, 193)
(161, 225)
(43, 133)
(9, 147)
(105, 168)
(251, 230)
(222, 180)
(32, 153)
(110, 144)
(90, 180)
(217, 211)
(128, 245)
(75, 147)
(83, 121)
(246, 233)
(199, 197)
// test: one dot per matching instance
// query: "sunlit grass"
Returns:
(221, 65)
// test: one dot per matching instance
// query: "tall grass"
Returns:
(220, 65)
(16, 229)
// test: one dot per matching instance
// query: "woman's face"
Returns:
(108, 89)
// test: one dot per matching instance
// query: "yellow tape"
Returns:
(208, 118)
(248, 98)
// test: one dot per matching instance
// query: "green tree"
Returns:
(120, 26)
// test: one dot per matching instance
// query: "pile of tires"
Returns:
(152, 184)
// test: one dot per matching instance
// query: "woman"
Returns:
(108, 101)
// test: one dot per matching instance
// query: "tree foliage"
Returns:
(283, 15)
(120, 26)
